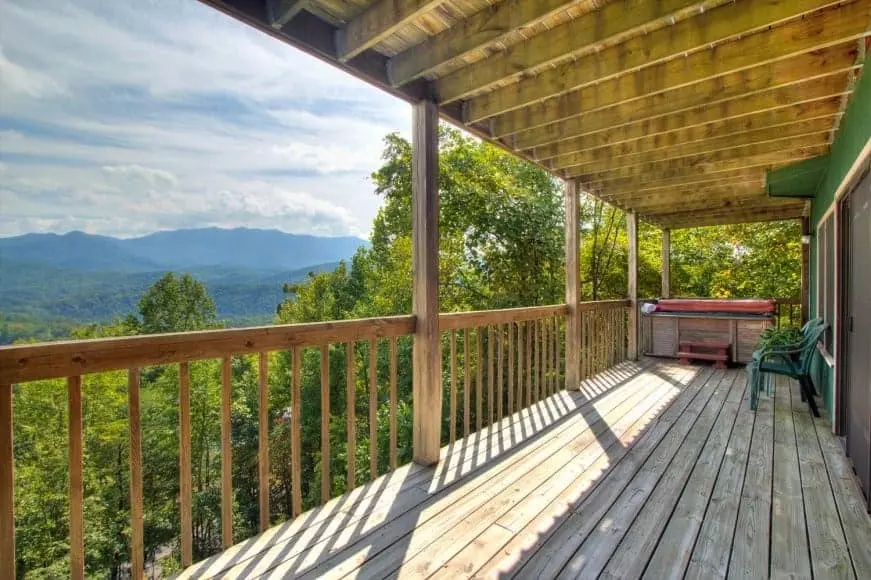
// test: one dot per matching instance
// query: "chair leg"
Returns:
(807, 390)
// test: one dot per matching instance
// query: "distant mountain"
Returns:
(179, 249)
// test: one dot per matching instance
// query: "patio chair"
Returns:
(792, 363)
(795, 347)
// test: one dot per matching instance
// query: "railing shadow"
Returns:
(372, 528)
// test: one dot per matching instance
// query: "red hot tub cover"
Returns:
(731, 306)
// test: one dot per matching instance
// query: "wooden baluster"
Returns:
(263, 440)
(511, 369)
(226, 456)
(184, 463)
(536, 360)
(7, 486)
(545, 324)
(467, 369)
(479, 381)
(137, 536)
(557, 354)
(490, 378)
(295, 443)
(393, 372)
(326, 486)
(530, 340)
(77, 489)
(352, 419)
(585, 336)
(453, 400)
(500, 337)
(373, 408)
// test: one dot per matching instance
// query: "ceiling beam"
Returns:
(658, 133)
(631, 185)
(688, 193)
(377, 22)
(490, 25)
(706, 218)
(669, 52)
(706, 164)
(684, 79)
(282, 11)
(602, 159)
(613, 22)
(724, 204)
(762, 96)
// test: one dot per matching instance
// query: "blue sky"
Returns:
(123, 117)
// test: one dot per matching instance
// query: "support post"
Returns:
(427, 360)
(7, 485)
(632, 330)
(805, 270)
(666, 263)
(573, 288)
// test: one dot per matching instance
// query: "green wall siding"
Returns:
(853, 134)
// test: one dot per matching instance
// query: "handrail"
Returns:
(603, 305)
(31, 362)
(475, 318)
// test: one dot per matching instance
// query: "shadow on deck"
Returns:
(650, 469)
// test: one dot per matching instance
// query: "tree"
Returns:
(176, 304)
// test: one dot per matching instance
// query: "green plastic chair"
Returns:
(795, 347)
(792, 363)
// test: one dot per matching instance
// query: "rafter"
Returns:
(717, 147)
(490, 25)
(631, 185)
(657, 51)
(686, 79)
(376, 23)
(658, 134)
(705, 218)
(688, 193)
(724, 204)
(281, 12)
(681, 169)
(761, 97)
(613, 22)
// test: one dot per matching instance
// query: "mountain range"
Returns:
(79, 277)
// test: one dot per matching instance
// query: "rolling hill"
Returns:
(83, 278)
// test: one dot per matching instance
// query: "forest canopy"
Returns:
(501, 246)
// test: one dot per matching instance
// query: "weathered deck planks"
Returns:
(650, 469)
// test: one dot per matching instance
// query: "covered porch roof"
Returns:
(674, 109)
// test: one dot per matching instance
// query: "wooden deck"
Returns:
(652, 470)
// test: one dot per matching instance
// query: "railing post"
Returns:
(805, 271)
(632, 330)
(427, 360)
(666, 263)
(573, 286)
(7, 485)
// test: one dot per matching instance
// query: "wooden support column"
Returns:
(7, 485)
(427, 359)
(632, 330)
(805, 270)
(573, 288)
(666, 263)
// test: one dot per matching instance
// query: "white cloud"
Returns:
(128, 117)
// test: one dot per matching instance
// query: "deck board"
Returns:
(652, 468)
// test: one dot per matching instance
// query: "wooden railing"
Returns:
(73, 360)
(495, 364)
(787, 312)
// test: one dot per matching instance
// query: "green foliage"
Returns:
(779, 337)
(176, 304)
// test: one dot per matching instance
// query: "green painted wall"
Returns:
(853, 134)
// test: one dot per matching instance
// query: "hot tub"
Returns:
(738, 322)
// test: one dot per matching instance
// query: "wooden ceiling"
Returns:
(673, 108)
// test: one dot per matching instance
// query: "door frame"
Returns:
(860, 167)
